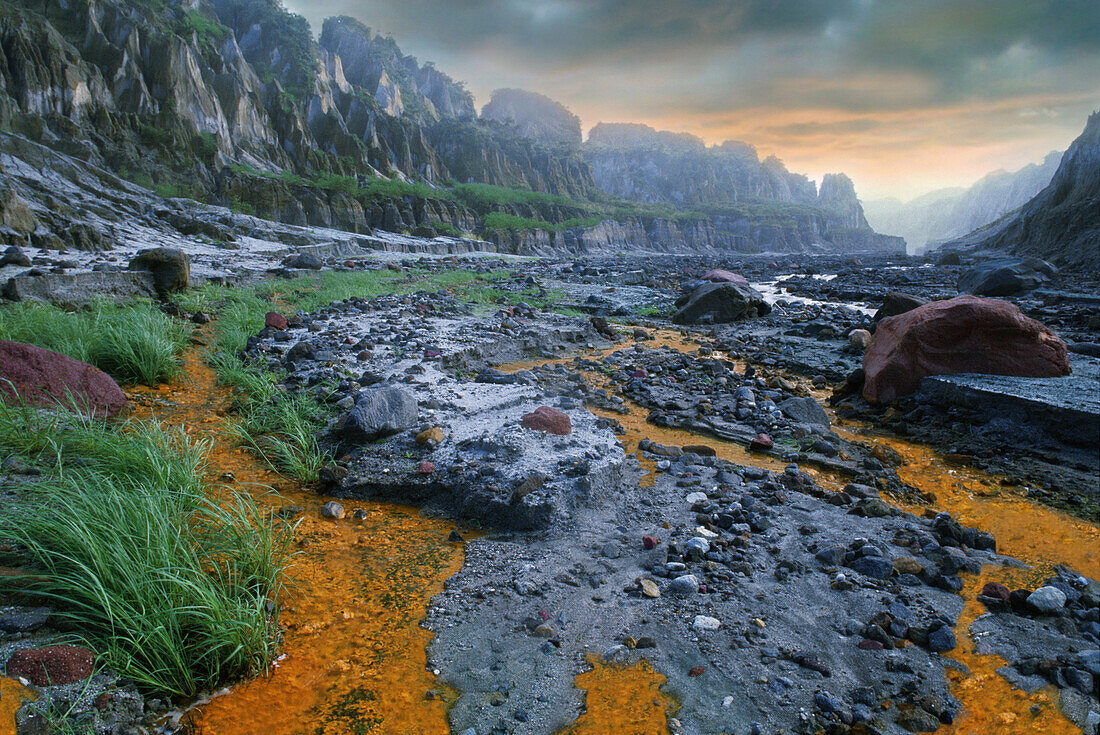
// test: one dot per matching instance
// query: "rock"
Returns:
(687, 584)
(649, 542)
(433, 435)
(275, 320)
(858, 339)
(171, 268)
(14, 255)
(908, 565)
(720, 303)
(25, 621)
(761, 443)
(425, 468)
(649, 588)
(1006, 276)
(965, 334)
(875, 567)
(52, 665)
(381, 412)
(895, 303)
(941, 640)
(550, 420)
(804, 410)
(996, 590)
(333, 510)
(703, 623)
(720, 276)
(304, 261)
(1047, 600)
(48, 379)
(917, 720)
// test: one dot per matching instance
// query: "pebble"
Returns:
(704, 623)
(1047, 600)
(333, 510)
(688, 584)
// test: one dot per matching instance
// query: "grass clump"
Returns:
(121, 538)
(279, 427)
(136, 343)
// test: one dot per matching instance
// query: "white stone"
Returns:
(703, 623)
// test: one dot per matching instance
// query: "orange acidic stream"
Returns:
(353, 656)
(622, 700)
(12, 696)
(1040, 536)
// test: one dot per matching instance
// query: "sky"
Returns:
(904, 96)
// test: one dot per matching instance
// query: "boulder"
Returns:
(720, 303)
(381, 412)
(275, 320)
(171, 268)
(896, 302)
(547, 419)
(721, 276)
(305, 261)
(47, 379)
(965, 334)
(804, 410)
(1006, 276)
(52, 665)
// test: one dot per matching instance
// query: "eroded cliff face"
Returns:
(173, 90)
(636, 162)
(233, 103)
(1062, 222)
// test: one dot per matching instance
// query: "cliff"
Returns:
(234, 103)
(1062, 222)
(534, 116)
(951, 213)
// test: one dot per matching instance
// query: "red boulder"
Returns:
(48, 379)
(547, 419)
(52, 665)
(275, 320)
(721, 276)
(965, 334)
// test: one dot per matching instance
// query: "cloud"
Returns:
(858, 79)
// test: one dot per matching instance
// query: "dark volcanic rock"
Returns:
(49, 379)
(896, 302)
(1006, 277)
(171, 268)
(381, 412)
(720, 303)
(965, 334)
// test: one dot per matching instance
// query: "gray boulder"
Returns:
(171, 268)
(381, 412)
(720, 303)
(1006, 276)
(804, 410)
(305, 261)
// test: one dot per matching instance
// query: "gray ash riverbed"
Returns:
(770, 602)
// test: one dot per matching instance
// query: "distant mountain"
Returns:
(535, 116)
(1062, 222)
(951, 213)
(634, 161)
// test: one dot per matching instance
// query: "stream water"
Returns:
(353, 652)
